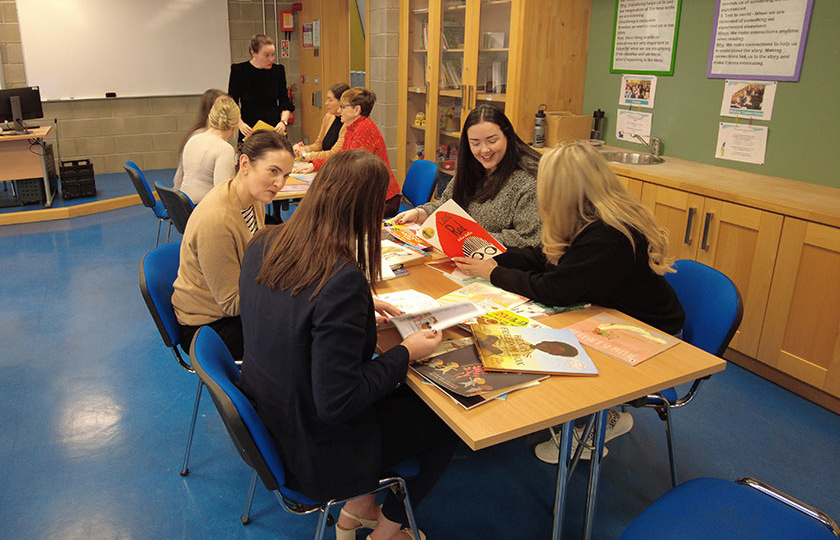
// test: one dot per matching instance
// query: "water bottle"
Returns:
(539, 127)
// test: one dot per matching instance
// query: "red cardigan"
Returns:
(364, 134)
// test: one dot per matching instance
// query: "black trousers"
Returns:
(411, 429)
(228, 328)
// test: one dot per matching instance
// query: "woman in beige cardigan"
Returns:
(207, 287)
(331, 136)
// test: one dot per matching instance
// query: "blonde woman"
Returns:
(599, 245)
(208, 158)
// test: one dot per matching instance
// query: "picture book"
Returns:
(436, 318)
(397, 255)
(531, 350)
(262, 125)
(448, 269)
(484, 294)
(409, 300)
(460, 371)
(451, 230)
(535, 310)
(407, 234)
(506, 317)
(622, 339)
(471, 402)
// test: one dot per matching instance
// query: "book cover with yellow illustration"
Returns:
(531, 350)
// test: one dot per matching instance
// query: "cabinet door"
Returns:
(679, 212)
(413, 83)
(742, 242)
(801, 334)
(453, 80)
(633, 186)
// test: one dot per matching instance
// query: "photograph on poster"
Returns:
(748, 99)
(637, 90)
(630, 123)
(739, 142)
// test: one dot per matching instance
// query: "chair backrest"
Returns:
(218, 371)
(140, 183)
(712, 305)
(177, 204)
(158, 271)
(419, 181)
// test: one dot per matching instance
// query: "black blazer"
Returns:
(308, 368)
(599, 266)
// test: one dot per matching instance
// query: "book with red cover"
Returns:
(451, 230)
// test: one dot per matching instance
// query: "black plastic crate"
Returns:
(77, 179)
(31, 191)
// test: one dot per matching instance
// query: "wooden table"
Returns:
(289, 194)
(558, 399)
(19, 162)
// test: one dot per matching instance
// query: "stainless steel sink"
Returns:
(633, 158)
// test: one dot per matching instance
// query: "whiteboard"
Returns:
(78, 49)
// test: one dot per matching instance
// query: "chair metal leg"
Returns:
(157, 236)
(409, 510)
(321, 530)
(168, 230)
(246, 513)
(186, 470)
(666, 412)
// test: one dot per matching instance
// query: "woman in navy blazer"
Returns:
(339, 416)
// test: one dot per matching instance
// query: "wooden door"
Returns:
(742, 243)
(679, 212)
(801, 334)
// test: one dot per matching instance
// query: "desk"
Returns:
(18, 162)
(558, 399)
(293, 192)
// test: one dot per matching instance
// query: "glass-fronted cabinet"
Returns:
(457, 54)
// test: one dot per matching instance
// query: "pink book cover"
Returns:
(622, 339)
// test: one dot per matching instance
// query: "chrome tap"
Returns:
(653, 147)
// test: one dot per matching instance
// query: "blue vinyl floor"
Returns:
(94, 414)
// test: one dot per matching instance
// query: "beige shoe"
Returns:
(350, 534)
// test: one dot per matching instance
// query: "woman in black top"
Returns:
(259, 87)
(599, 245)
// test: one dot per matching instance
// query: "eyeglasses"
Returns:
(344, 106)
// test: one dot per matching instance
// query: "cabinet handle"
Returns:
(427, 94)
(704, 244)
(688, 223)
(469, 97)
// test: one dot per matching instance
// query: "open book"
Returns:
(436, 318)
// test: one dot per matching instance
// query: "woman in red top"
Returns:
(355, 106)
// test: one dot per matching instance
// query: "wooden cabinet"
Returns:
(738, 240)
(456, 54)
(633, 186)
(801, 334)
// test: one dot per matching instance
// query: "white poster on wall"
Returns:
(637, 90)
(739, 142)
(630, 123)
(748, 99)
(645, 37)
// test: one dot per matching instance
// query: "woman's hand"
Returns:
(280, 127)
(245, 129)
(299, 148)
(303, 168)
(415, 215)
(475, 267)
(421, 343)
(385, 311)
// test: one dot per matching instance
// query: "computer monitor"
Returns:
(19, 104)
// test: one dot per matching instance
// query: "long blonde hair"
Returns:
(575, 187)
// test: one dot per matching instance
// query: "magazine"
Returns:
(451, 230)
(622, 339)
(436, 318)
(532, 350)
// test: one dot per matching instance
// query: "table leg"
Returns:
(562, 479)
(594, 472)
(48, 193)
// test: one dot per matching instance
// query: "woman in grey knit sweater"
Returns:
(495, 182)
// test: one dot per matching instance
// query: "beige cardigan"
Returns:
(316, 152)
(207, 287)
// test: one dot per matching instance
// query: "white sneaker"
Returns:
(618, 423)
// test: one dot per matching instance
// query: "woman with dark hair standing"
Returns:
(339, 416)
(355, 107)
(259, 88)
(207, 286)
(331, 136)
(495, 182)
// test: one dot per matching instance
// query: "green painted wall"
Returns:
(804, 138)
(357, 40)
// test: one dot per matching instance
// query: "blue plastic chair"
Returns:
(158, 271)
(419, 183)
(215, 366)
(148, 198)
(713, 312)
(706, 508)
(178, 206)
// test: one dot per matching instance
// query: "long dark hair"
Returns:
(208, 98)
(470, 184)
(338, 222)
